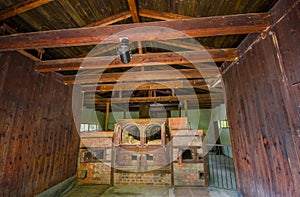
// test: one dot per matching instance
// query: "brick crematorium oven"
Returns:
(143, 151)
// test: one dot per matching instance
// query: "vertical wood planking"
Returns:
(39, 141)
(261, 108)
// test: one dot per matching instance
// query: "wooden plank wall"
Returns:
(38, 140)
(263, 107)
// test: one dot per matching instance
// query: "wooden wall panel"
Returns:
(38, 139)
(287, 34)
(263, 111)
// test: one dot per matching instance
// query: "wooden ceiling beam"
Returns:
(198, 27)
(107, 21)
(13, 31)
(150, 59)
(21, 7)
(165, 16)
(145, 86)
(8, 29)
(141, 76)
(195, 98)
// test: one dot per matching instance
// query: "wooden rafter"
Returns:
(134, 11)
(110, 20)
(146, 86)
(21, 7)
(150, 59)
(146, 13)
(135, 17)
(99, 50)
(142, 76)
(104, 22)
(183, 44)
(198, 27)
(161, 15)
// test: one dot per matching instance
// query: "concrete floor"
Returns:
(84, 190)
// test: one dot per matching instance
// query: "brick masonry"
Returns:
(98, 173)
(143, 178)
(188, 174)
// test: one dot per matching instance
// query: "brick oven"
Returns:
(143, 151)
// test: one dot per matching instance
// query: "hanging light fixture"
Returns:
(124, 51)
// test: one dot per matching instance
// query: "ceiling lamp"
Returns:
(124, 51)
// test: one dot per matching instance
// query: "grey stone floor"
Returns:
(84, 190)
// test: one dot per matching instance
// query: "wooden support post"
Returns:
(185, 106)
(168, 113)
(107, 116)
(144, 110)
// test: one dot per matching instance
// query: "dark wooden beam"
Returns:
(135, 17)
(21, 7)
(146, 86)
(141, 76)
(198, 27)
(134, 107)
(13, 31)
(199, 97)
(111, 19)
(150, 59)
(134, 11)
(165, 16)
(104, 22)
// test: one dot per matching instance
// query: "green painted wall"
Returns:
(90, 116)
(198, 118)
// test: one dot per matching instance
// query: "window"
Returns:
(223, 124)
(88, 127)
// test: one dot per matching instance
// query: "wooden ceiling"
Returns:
(63, 36)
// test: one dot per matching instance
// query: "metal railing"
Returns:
(220, 167)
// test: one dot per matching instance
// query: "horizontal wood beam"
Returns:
(165, 16)
(111, 19)
(150, 59)
(198, 27)
(21, 7)
(8, 29)
(199, 97)
(141, 76)
(145, 86)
